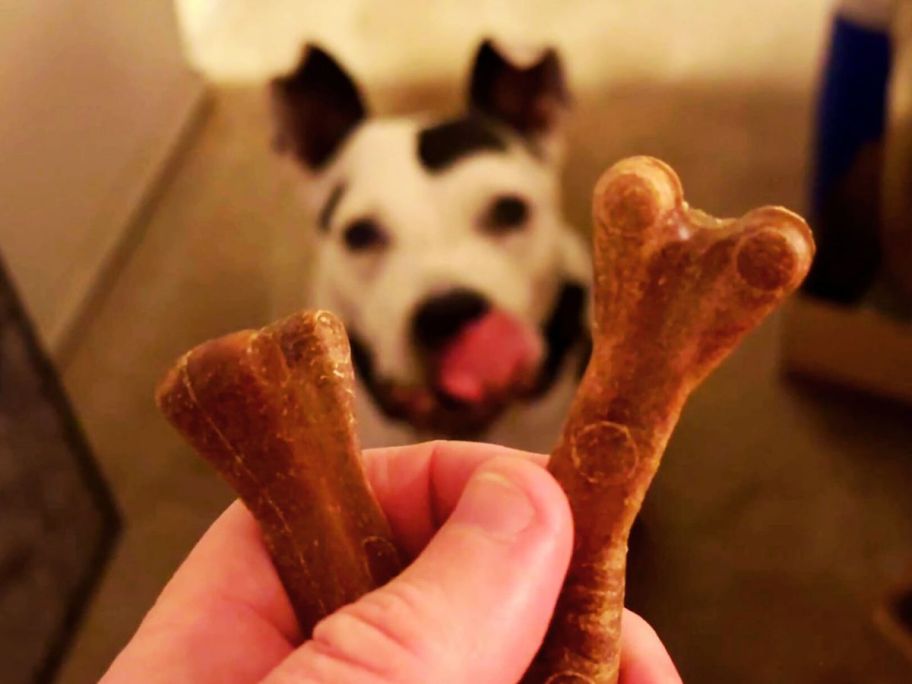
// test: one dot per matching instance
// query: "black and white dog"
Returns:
(443, 249)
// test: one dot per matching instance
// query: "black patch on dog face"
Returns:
(332, 203)
(563, 331)
(363, 362)
(442, 145)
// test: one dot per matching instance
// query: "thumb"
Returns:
(474, 606)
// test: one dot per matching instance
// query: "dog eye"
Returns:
(506, 214)
(364, 234)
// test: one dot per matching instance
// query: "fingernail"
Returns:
(494, 504)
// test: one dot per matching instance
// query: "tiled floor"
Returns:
(780, 512)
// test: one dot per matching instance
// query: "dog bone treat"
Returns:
(675, 290)
(272, 411)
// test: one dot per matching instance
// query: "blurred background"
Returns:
(142, 211)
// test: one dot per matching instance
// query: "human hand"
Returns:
(489, 534)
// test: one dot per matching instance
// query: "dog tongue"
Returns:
(489, 356)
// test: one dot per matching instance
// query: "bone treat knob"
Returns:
(675, 291)
(271, 410)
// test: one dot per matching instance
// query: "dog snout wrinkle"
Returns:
(438, 319)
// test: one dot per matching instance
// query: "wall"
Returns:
(620, 40)
(94, 96)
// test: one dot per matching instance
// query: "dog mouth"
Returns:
(468, 381)
(492, 359)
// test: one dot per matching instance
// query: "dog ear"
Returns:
(531, 99)
(316, 106)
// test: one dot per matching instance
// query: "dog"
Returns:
(442, 247)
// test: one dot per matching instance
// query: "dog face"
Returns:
(441, 244)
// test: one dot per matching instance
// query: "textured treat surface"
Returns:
(675, 291)
(271, 410)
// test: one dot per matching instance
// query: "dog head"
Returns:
(441, 242)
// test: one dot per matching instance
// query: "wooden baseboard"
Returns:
(855, 347)
(126, 208)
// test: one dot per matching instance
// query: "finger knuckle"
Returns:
(387, 633)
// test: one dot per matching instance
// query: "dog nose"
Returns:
(440, 318)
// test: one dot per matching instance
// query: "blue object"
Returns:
(853, 100)
(845, 187)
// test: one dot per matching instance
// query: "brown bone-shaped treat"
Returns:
(675, 290)
(272, 411)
